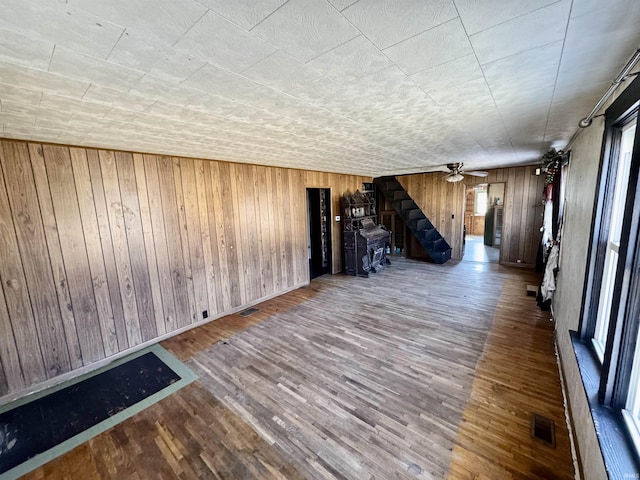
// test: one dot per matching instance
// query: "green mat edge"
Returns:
(186, 377)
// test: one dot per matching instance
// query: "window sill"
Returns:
(620, 459)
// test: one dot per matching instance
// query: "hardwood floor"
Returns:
(420, 371)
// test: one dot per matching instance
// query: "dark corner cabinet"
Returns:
(365, 242)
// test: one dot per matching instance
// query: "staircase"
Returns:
(424, 231)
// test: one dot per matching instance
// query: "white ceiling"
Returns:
(369, 87)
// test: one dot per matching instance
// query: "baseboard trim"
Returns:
(52, 382)
(575, 448)
(519, 265)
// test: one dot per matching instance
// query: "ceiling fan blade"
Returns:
(476, 173)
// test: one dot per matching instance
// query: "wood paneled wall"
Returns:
(102, 251)
(441, 200)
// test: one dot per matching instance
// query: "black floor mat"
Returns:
(42, 424)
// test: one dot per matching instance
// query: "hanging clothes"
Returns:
(549, 280)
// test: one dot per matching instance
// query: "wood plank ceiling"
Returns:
(368, 87)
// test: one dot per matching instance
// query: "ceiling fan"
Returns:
(456, 170)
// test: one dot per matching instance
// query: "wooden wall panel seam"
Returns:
(36, 262)
(173, 241)
(158, 229)
(74, 252)
(149, 243)
(120, 246)
(11, 368)
(184, 241)
(106, 243)
(121, 238)
(58, 269)
(93, 245)
(212, 280)
(194, 237)
(214, 206)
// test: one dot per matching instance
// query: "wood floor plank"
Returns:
(397, 376)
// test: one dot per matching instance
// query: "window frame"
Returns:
(614, 372)
(477, 193)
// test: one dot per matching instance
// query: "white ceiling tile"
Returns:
(478, 16)
(158, 89)
(305, 29)
(619, 8)
(161, 21)
(281, 72)
(158, 60)
(18, 108)
(61, 24)
(454, 72)
(13, 121)
(38, 80)
(245, 13)
(57, 102)
(541, 27)
(387, 22)
(380, 85)
(30, 52)
(525, 77)
(468, 98)
(17, 94)
(75, 65)
(214, 80)
(342, 4)
(117, 98)
(224, 44)
(349, 61)
(441, 44)
(362, 115)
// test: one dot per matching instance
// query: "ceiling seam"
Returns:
(514, 18)
(484, 77)
(173, 45)
(555, 83)
(251, 29)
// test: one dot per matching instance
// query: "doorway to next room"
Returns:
(483, 222)
(319, 231)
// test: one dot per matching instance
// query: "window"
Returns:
(481, 202)
(613, 241)
(610, 316)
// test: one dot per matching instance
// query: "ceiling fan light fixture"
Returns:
(455, 177)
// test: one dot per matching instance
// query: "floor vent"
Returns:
(249, 311)
(543, 429)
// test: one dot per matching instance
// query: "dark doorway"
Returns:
(319, 236)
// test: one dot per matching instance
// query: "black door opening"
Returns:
(319, 231)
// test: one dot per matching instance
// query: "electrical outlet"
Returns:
(205, 314)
